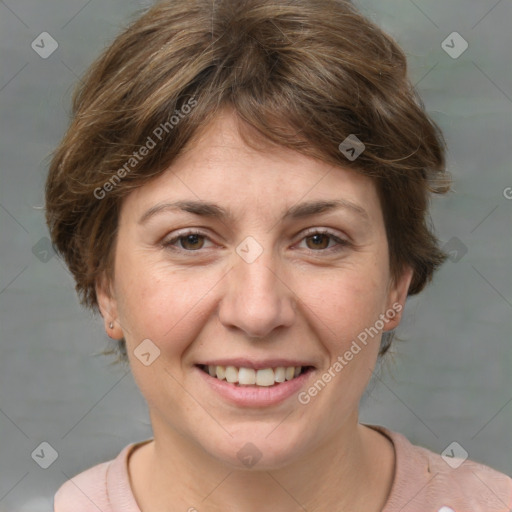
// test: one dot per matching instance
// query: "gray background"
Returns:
(451, 378)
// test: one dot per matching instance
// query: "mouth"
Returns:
(269, 377)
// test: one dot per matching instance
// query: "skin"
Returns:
(304, 297)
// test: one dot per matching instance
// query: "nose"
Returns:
(258, 299)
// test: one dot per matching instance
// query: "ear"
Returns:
(397, 295)
(108, 307)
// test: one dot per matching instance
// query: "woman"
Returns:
(243, 194)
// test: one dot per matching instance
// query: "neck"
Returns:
(352, 470)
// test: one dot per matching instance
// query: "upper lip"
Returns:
(241, 362)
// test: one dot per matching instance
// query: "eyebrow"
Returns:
(212, 210)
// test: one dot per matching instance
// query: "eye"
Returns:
(190, 241)
(318, 240)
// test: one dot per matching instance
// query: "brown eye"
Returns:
(319, 241)
(324, 242)
(186, 242)
(191, 242)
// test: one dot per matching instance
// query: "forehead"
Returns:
(218, 166)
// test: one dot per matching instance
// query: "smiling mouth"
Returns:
(265, 377)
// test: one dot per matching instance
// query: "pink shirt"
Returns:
(423, 482)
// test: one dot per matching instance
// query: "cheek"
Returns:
(347, 301)
(164, 305)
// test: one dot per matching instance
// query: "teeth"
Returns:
(264, 377)
(221, 372)
(280, 374)
(250, 376)
(231, 374)
(290, 372)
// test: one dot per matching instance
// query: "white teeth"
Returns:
(250, 376)
(264, 377)
(231, 374)
(247, 376)
(280, 374)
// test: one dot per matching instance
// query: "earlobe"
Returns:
(397, 296)
(108, 308)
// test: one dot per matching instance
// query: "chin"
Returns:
(257, 447)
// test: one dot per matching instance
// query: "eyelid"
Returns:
(339, 239)
(323, 231)
(182, 233)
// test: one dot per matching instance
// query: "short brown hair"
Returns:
(303, 74)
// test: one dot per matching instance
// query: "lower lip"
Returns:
(255, 396)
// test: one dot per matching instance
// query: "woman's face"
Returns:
(275, 282)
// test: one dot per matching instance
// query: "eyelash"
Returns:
(169, 244)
